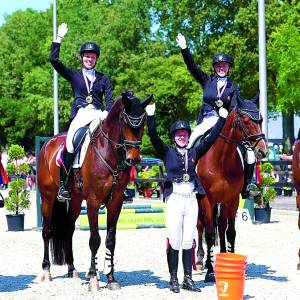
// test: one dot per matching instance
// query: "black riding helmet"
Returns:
(222, 57)
(89, 47)
(179, 125)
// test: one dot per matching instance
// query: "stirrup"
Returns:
(188, 284)
(63, 194)
(174, 285)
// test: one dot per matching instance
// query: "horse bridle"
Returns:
(133, 122)
(247, 137)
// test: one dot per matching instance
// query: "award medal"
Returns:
(186, 176)
(89, 97)
(219, 103)
(220, 91)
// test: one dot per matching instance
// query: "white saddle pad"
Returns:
(79, 158)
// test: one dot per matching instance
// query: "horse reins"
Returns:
(134, 122)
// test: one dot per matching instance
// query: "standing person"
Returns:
(218, 90)
(88, 86)
(3, 174)
(180, 190)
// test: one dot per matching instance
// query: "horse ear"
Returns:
(147, 101)
(125, 99)
(255, 98)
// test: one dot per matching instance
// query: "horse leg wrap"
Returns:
(108, 263)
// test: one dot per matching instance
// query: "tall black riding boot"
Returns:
(187, 261)
(248, 174)
(64, 190)
(172, 256)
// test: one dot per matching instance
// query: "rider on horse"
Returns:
(218, 90)
(180, 190)
(89, 86)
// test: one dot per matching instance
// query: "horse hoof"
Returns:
(113, 286)
(298, 267)
(93, 284)
(210, 277)
(46, 277)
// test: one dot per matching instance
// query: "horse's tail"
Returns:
(59, 233)
(215, 222)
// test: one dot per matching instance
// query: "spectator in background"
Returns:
(290, 157)
(3, 174)
(31, 177)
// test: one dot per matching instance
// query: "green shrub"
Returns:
(265, 192)
(18, 197)
(148, 174)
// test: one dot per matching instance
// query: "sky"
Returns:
(7, 7)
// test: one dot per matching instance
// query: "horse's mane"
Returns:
(116, 108)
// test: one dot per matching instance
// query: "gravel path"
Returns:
(141, 267)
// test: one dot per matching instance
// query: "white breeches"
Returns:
(181, 219)
(84, 116)
(200, 129)
(208, 123)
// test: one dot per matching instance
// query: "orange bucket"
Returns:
(230, 271)
(228, 266)
(230, 286)
(232, 258)
(224, 270)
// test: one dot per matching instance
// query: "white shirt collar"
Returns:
(181, 150)
(90, 73)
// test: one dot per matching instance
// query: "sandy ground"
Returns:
(140, 263)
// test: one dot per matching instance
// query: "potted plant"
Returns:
(264, 193)
(147, 186)
(18, 196)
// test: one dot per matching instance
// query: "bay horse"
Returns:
(296, 178)
(221, 173)
(113, 149)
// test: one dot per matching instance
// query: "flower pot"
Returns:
(288, 193)
(15, 222)
(147, 192)
(262, 215)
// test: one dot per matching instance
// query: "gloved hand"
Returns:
(223, 112)
(62, 30)
(103, 115)
(181, 41)
(150, 109)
